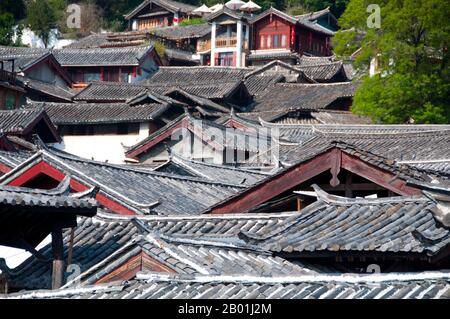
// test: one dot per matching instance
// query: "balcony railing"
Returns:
(7, 76)
(226, 42)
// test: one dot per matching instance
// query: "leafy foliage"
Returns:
(160, 48)
(192, 21)
(6, 28)
(411, 49)
(11, 12)
(41, 19)
(16, 8)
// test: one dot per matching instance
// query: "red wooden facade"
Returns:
(273, 32)
(314, 43)
(108, 74)
(43, 169)
(132, 266)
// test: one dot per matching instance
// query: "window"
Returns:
(269, 41)
(283, 41)
(275, 41)
(122, 129)
(124, 77)
(100, 129)
(10, 102)
(89, 77)
(225, 59)
(261, 42)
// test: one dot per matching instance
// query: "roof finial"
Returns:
(38, 142)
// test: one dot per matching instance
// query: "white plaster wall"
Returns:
(15, 256)
(29, 38)
(102, 147)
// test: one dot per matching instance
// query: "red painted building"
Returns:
(277, 35)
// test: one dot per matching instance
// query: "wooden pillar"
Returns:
(348, 184)
(58, 258)
(70, 251)
(299, 203)
(213, 43)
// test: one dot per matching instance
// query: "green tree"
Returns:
(41, 19)
(6, 28)
(192, 21)
(411, 47)
(15, 7)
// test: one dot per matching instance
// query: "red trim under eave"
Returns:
(333, 159)
(132, 266)
(5, 169)
(155, 141)
(235, 124)
(44, 168)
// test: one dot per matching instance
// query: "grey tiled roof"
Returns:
(26, 197)
(115, 39)
(158, 192)
(396, 225)
(109, 91)
(101, 56)
(94, 113)
(214, 172)
(323, 72)
(315, 26)
(13, 159)
(91, 41)
(101, 247)
(285, 97)
(396, 142)
(221, 135)
(18, 121)
(24, 57)
(207, 82)
(210, 226)
(93, 242)
(214, 90)
(315, 15)
(319, 116)
(43, 88)
(197, 75)
(254, 56)
(339, 117)
(173, 6)
(229, 12)
(180, 55)
(433, 285)
(277, 12)
(121, 92)
(439, 167)
(258, 84)
(304, 60)
(318, 145)
(182, 32)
